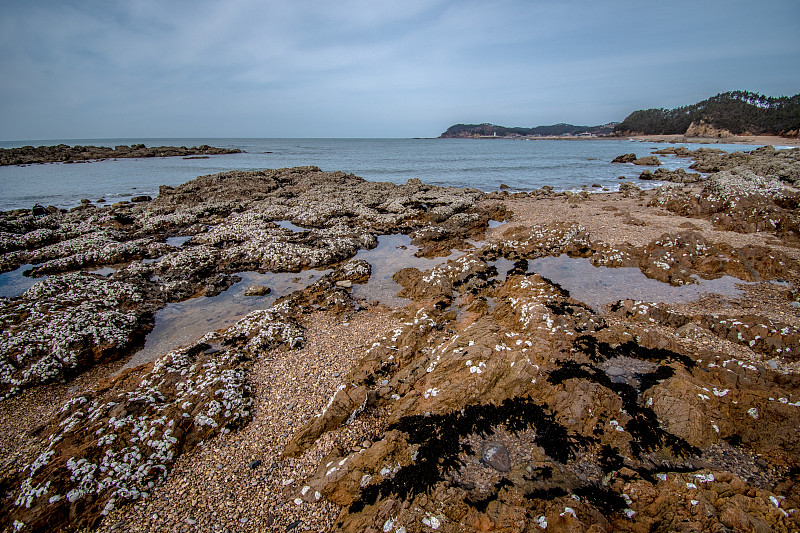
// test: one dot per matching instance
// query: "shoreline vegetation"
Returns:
(62, 153)
(495, 399)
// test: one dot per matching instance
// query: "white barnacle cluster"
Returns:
(128, 439)
(184, 217)
(529, 304)
(251, 238)
(731, 186)
(767, 336)
(556, 237)
(98, 250)
(475, 368)
(192, 259)
(267, 328)
(436, 276)
(611, 257)
(66, 318)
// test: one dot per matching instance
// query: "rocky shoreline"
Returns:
(494, 401)
(62, 153)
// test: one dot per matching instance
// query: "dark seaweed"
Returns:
(654, 378)
(602, 497)
(439, 439)
(546, 494)
(643, 425)
(610, 459)
(481, 505)
(520, 268)
(504, 483)
(541, 473)
(561, 290)
(599, 351)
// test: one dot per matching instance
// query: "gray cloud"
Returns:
(370, 68)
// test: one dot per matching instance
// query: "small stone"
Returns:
(293, 525)
(346, 284)
(257, 290)
(255, 464)
(190, 521)
(495, 455)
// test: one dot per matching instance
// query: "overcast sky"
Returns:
(350, 68)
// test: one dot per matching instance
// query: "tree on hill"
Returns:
(740, 112)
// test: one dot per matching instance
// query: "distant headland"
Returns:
(463, 131)
(723, 116)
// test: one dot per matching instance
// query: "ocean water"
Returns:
(485, 164)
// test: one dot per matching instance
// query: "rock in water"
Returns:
(257, 290)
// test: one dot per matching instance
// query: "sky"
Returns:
(90, 69)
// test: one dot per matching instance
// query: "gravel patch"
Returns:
(240, 481)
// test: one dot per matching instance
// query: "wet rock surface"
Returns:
(493, 401)
(63, 153)
(511, 404)
(231, 219)
(745, 191)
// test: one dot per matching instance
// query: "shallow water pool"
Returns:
(597, 286)
(181, 323)
(14, 283)
(393, 253)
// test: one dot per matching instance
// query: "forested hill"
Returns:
(491, 130)
(738, 112)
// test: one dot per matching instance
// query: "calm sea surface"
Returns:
(480, 163)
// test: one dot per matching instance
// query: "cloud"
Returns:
(254, 68)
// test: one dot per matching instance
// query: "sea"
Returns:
(484, 164)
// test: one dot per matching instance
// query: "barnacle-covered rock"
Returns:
(738, 199)
(63, 325)
(676, 176)
(115, 444)
(764, 161)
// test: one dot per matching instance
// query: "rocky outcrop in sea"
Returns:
(62, 153)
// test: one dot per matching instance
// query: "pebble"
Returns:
(496, 456)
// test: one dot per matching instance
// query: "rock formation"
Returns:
(63, 153)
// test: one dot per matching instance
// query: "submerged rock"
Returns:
(257, 290)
